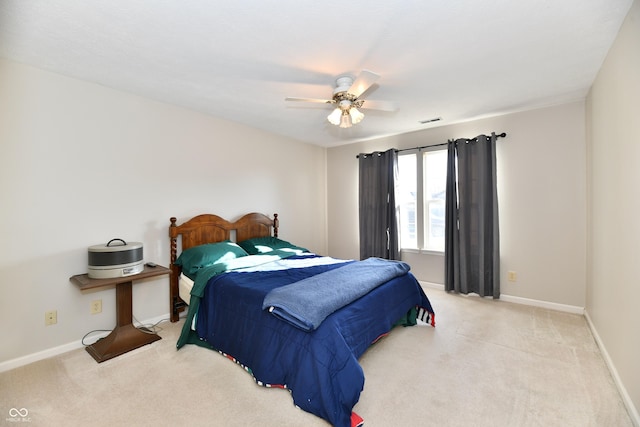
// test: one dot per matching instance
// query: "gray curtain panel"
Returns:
(377, 203)
(472, 239)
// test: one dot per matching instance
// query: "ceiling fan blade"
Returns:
(379, 105)
(322, 101)
(363, 82)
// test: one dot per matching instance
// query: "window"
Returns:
(422, 177)
(407, 199)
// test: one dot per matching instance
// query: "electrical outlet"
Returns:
(512, 276)
(51, 317)
(96, 306)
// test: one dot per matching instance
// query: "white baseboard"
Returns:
(628, 403)
(525, 301)
(543, 304)
(432, 285)
(55, 351)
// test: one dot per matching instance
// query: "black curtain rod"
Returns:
(500, 135)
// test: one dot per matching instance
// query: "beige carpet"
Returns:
(487, 363)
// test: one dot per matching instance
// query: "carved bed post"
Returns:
(172, 236)
(276, 224)
(175, 273)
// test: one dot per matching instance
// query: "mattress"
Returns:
(184, 288)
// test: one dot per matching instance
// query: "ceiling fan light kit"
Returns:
(346, 99)
(356, 115)
(346, 114)
(334, 117)
(345, 120)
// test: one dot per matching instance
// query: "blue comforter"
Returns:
(319, 367)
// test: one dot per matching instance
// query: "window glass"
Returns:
(406, 199)
(435, 177)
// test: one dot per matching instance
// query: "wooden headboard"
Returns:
(209, 228)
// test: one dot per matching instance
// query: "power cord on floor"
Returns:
(152, 329)
(92, 332)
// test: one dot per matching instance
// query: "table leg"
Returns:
(125, 337)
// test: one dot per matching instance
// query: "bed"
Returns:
(291, 318)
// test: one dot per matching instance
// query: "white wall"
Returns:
(614, 203)
(541, 197)
(81, 164)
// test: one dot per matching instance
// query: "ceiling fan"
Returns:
(347, 99)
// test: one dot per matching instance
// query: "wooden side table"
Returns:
(125, 336)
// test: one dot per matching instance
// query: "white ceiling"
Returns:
(238, 60)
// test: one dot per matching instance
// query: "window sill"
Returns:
(421, 251)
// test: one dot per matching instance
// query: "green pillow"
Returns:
(261, 245)
(197, 257)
